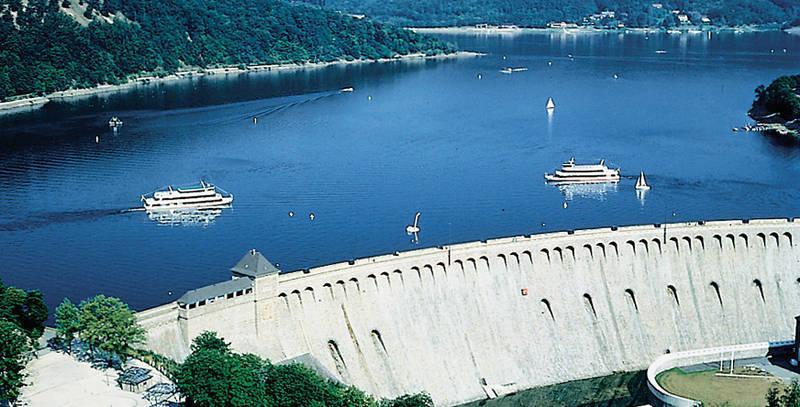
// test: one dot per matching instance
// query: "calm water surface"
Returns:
(468, 153)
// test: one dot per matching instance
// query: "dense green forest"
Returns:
(537, 13)
(781, 97)
(49, 45)
(22, 316)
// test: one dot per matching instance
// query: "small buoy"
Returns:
(549, 63)
(480, 76)
(96, 139)
(542, 224)
(569, 56)
(772, 51)
(784, 50)
(504, 57)
(291, 214)
(255, 120)
(369, 97)
(312, 216)
(616, 76)
(565, 205)
(169, 292)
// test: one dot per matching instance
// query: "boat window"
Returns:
(229, 296)
(248, 291)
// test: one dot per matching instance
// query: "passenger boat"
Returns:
(550, 105)
(204, 195)
(507, 70)
(571, 173)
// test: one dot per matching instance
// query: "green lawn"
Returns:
(617, 390)
(716, 391)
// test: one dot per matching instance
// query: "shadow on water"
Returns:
(49, 218)
(617, 390)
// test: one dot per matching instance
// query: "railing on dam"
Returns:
(663, 363)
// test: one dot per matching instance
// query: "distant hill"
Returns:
(50, 45)
(538, 13)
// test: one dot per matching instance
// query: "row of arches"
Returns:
(672, 293)
(677, 244)
(519, 261)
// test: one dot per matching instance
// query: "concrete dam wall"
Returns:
(511, 313)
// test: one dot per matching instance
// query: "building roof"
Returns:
(134, 375)
(253, 264)
(215, 290)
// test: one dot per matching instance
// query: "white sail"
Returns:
(641, 183)
(550, 104)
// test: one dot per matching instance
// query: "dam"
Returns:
(470, 320)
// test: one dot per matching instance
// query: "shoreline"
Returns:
(17, 105)
(647, 30)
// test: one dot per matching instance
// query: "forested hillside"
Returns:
(537, 13)
(782, 96)
(49, 45)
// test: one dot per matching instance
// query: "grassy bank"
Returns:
(713, 390)
(617, 390)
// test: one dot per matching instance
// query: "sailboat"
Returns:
(415, 227)
(550, 104)
(641, 183)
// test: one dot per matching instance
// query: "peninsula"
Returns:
(777, 106)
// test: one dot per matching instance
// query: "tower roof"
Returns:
(253, 264)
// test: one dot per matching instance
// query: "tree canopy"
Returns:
(782, 96)
(43, 49)
(15, 346)
(537, 13)
(107, 324)
(25, 309)
(215, 376)
(788, 396)
(68, 321)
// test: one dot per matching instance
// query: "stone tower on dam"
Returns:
(505, 314)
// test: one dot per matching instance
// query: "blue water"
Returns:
(468, 153)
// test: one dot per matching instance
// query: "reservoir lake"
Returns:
(455, 139)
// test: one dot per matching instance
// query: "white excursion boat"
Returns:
(203, 195)
(641, 182)
(571, 173)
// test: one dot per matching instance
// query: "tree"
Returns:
(414, 400)
(107, 324)
(209, 341)
(774, 397)
(15, 348)
(68, 322)
(26, 309)
(214, 376)
(791, 395)
(34, 315)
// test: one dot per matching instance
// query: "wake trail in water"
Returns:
(52, 218)
(277, 108)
